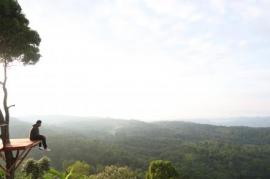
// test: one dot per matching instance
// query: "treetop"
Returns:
(18, 42)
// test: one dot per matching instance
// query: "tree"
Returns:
(52, 173)
(18, 43)
(114, 172)
(79, 169)
(160, 169)
(36, 169)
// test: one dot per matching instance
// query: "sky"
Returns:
(146, 59)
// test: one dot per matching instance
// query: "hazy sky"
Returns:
(147, 59)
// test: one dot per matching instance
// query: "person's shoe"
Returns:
(47, 149)
(41, 148)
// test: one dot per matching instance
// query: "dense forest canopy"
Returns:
(196, 150)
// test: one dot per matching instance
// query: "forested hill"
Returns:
(197, 150)
(101, 128)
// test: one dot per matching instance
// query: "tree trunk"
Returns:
(9, 158)
(3, 129)
(9, 163)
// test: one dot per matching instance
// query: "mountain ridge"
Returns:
(230, 122)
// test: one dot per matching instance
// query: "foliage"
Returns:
(2, 174)
(114, 172)
(17, 40)
(79, 170)
(53, 173)
(160, 169)
(196, 151)
(35, 169)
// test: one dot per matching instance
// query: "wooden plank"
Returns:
(3, 124)
(21, 159)
(19, 144)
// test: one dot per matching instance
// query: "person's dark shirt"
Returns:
(34, 132)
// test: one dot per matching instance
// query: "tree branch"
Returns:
(13, 105)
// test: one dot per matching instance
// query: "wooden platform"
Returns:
(19, 144)
(21, 148)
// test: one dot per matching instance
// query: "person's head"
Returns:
(38, 123)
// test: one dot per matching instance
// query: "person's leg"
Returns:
(43, 141)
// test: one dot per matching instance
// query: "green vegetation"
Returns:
(52, 173)
(33, 169)
(36, 169)
(79, 169)
(196, 151)
(161, 169)
(114, 172)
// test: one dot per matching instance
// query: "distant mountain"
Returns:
(106, 128)
(21, 128)
(237, 121)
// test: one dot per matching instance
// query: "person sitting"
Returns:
(34, 135)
